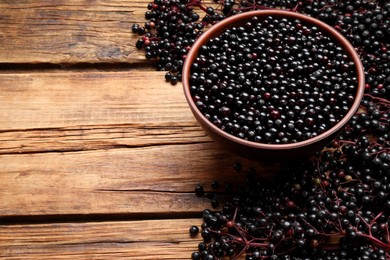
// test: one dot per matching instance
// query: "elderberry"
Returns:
(194, 230)
(335, 180)
(261, 81)
(199, 191)
(294, 216)
(365, 23)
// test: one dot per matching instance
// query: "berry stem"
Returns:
(376, 242)
(378, 99)
(197, 3)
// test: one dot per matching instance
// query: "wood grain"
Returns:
(103, 143)
(71, 111)
(52, 100)
(136, 181)
(70, 31)
(148, 239)
(98, 155)
(96, 137)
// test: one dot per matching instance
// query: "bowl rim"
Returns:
(230, 22)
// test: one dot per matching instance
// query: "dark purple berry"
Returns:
(194, 230)
(199, 190)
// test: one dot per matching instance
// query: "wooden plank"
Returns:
(68, 32)
(95, 137)
(134, 182)
(70, 111)
(124, 142)
(150, 239)
(68, 99)
(73, 31)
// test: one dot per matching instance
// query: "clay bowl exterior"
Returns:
(261, 151)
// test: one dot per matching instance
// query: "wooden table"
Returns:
(99, 156)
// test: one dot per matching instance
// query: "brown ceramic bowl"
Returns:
(262, 151)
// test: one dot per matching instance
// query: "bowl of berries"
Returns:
(273, 84)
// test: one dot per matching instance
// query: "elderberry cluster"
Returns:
(334, 206)
(273, 81)
(171, 29)
(173, 26)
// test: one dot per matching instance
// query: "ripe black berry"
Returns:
(273, 99)
(215, 185)
(329, 197)
(194, 230)
(199, 190)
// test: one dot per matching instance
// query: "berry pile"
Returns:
(334, 206)
(173, 26)
(275, 81)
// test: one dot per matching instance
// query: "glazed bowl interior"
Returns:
(254, 149)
